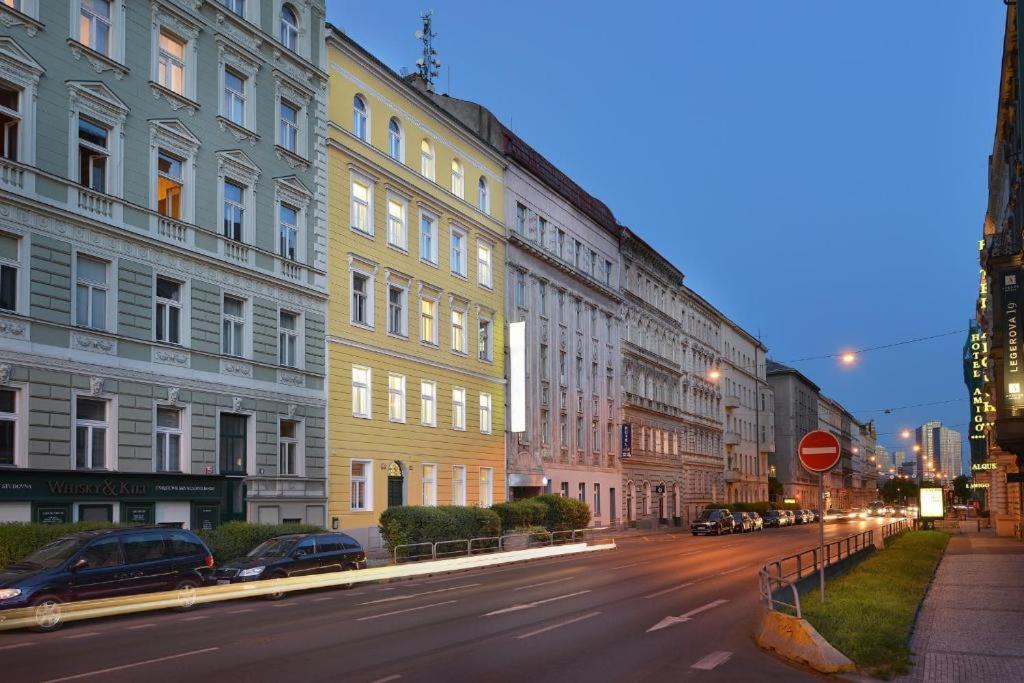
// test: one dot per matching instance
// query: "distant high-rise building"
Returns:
(941, 450)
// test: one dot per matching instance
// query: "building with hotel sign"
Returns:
(999, 313)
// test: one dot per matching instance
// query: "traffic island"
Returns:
(869, 611)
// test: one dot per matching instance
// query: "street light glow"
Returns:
(714, 374)
(905, 434)
(848, 358)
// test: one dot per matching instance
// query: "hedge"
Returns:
(20, 539)
(564, 514)
(232, 540)
(427, 524)
(526, 512)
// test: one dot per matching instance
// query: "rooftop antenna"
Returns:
(428, 64)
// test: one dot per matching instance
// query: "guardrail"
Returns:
(418, 552)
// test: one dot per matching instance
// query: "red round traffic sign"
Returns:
(819, 451)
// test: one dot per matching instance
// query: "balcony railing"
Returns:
(95, 203)
(731, 438)
(12, 176)
(730, 401)
(731, 476)
(172, 230)
(235, 251)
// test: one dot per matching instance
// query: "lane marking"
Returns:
(16, 645)
(712, 660)
(544, 583)
(138, 626)
(241, 611)
(82, 635)
(529, 605)
(554, 626)
(623, 566)
(403, 611)
(683, 618)
(393, 677)
(669, 590)
(417, 595)
(325, 597)
(133, 665)
(284, 604)
(197, 618)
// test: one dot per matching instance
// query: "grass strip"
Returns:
(869, 611)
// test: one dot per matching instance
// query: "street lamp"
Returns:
(905, 434)
(848, 358)
(714, 374)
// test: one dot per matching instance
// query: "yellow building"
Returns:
(416, 327)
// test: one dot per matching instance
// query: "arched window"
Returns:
(395, 139)
(458, 179)
(427, 159)
(483, 200)
(360, 117)
(289, 28)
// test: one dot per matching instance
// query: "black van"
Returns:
(107, 563)
(294, 555)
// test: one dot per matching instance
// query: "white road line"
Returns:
(16, 645)
(528, 605)
(669, 590)
(284, 604)
(683, 618)
(554, 626)
(132, 666)
(731, 571)
(393, 677)
(138, 626)
(241, 611)
(544, 583)
(623, 566)
(417, 595)
(198, 618)
(323, 598)
(402, 611)
(82, 635)
(712, 660)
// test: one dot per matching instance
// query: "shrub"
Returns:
(521, 513)
(565, 514)
(235, 539)
(426, 524)
(20, 539)
(760, 507)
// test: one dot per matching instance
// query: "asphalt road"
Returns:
(582, 618)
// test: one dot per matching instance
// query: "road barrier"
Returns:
(419, 552)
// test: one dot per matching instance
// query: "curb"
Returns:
(796, 640)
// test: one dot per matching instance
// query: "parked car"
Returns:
(776, 518)
(744, 522)
(757, 520)
(817, 515)
(294, 555)
(792, 517)
(714, 521)
(106, 563)
(798, 516)
(808, 516)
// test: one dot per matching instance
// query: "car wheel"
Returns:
(48, 613)
(279, 595)
(694, 533)
(185, 595)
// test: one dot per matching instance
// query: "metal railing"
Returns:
(418, 552)
(893, 528)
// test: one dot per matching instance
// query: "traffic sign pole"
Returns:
(821, 532)
(819, 451)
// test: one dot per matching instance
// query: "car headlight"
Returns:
(252, 571)
(8, 593)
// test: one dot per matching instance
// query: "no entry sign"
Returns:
(819, 451)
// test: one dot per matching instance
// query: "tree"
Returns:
(962, 488)
(775, 491)
(898, 490)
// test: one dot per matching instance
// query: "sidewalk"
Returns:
(969, 627)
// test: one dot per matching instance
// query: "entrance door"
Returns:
(613, 510)
(233, 447)
(396, 485)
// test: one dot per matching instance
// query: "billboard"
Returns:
(517, 376)
(1010, 282)
(932, 500)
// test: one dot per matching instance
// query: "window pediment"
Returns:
(237, 164)
(172, 134)
(98, 100)
(17, 66)
(291, 190)
(175, 19)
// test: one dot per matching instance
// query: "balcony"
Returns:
(731, 476)
(731, 438)
(12, 175)
(730, 402)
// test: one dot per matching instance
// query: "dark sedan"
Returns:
(717, 521)
(776, 518)
(294, 555)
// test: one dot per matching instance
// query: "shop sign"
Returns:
(627, 440)
(55, 486)
(52, 515)
(976, 369)
(789, 501)
(978, 485)
(932, 503)
(1011, 281)
(982, 466)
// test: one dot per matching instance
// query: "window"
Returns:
(593, 264)
(483, 264)
(234, 97)
(458, 331)
(484, 340)
(10, 121)
(483, 198)
(458, 255)
(8, 425)
(520, 224)
(171, 63)
(234, 210)
(288, 232)
(397, 231)
(168, 439)
(359, 118)
(581, 442)
(563, 429)
(289, 28)
(288, 127)
(288, 448)
(597, 499)
(428, 238)
(543, 361)
(582, 496)
(428, 404)
(233, 327)
(94, 25)
(168, 311)
(545, 428)
(361, 208)
(362, 470)
(563, 371)
(429, 485)
(485, 413)
(9, 260)
(608, 272)
(560, 247)
(579, 372)
(428, 321)
(459, 409)
(542, 231)
(397, 298)
(236, 6)
(520, 288)
(486, 487)
(577, 252)
(361, 313)
(396, 398)
(361, 391)
(91, 293)
(458, 485)
(93, 154)
(458, 179)
(90, 433)
(288, 339)
(427, 159)
(169, 184)
(595, 436)
(395, 139)
(561, 306)
(233, 443)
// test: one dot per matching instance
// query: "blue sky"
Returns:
(816, 169)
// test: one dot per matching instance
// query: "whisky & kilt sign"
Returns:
(54, 486)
